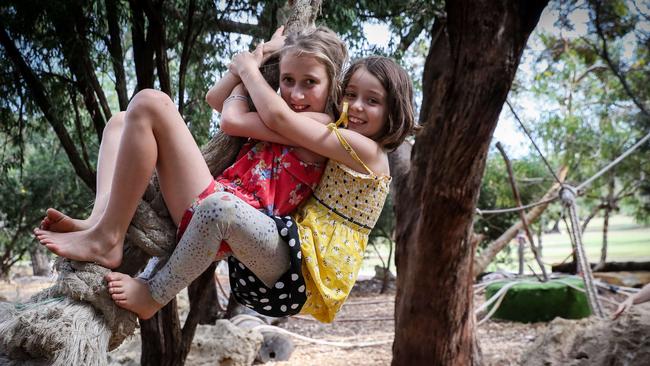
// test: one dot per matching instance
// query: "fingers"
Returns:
(278, 32)
(622, 308)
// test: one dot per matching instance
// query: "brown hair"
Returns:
(324, 45)
(400, 121)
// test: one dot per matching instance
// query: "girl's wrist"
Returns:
(240, 97)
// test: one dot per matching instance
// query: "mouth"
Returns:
(299, 107)
(355, 120)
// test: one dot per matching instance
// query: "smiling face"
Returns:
(366, 97)
(304, 84)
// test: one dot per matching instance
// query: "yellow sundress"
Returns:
(333, 227)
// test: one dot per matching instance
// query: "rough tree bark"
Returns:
(472, 61)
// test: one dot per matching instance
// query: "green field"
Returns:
(627, 240)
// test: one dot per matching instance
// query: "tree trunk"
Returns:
(115, 49)
(521, 247)
(468, 72)
(608, 210)
(40, 262)
(142, 49)
(540, 233)
(603, 249)
(161, 337)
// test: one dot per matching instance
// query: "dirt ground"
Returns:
(367, 317)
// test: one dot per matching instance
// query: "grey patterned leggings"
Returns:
(252, 236)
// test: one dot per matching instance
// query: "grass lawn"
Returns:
(627, 240)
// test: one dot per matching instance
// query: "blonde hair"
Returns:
(400, 117)
(326, 47)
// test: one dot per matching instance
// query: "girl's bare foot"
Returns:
(59, 222)
(132, 294)
(90, 245)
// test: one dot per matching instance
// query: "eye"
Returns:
(373, 101)
(348, 94)
(287, 80)
(310, 82)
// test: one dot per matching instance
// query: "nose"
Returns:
(297, 93)
(356, 104)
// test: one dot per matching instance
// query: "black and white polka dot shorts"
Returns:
(287, 296)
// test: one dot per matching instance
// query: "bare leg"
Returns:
(57, 221)
(155, 136)
(252, 235)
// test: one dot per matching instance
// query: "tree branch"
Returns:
(522, 215)
(188, 43)
(142, 49)
(117, 55)
(79, 128)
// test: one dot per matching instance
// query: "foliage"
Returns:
(532, 180)
(590, 88)
(28, 190)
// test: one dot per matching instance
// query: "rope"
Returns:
(24, 306)
(493, 310)
(583, 290)
(320, 341)
(614, 162)
(272, 328)
(533, 141)
(579, 188)
(502, 290)
(516, 209)
(568, 196)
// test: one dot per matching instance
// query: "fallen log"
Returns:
(570, 267)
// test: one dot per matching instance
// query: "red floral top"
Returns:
(267, 176)
(270, 177)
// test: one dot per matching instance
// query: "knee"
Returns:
(115, 124)
(219, 207)
(148, 102)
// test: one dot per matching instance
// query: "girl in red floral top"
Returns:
(268, 176)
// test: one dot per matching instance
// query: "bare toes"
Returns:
(116, 290)
(115, 276)
(119, 298)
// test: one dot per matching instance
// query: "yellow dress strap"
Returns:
(343, 120)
